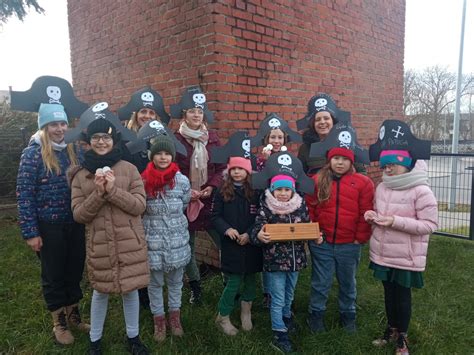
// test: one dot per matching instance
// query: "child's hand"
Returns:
(232, 234)
(384, 221)
(206, 193)
(320, 240)
(99, 181)
(263, 236)
(109, 180)
(243, 239)
(370, 215)
(195, 195)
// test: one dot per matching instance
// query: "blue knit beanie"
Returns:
(48, 113)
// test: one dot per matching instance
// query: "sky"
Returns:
(432, 37)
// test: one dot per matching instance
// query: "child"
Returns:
(281, 260)
(404, 216)
(109, 198)
(340, 199)
(166, 230)
(273, 134)
(233, 216)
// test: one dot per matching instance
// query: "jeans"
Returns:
(174, 281)
(326, 258)
(282, 291)
(232, 288)
(265, 282)
(62, 263)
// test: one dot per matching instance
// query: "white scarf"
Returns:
(405, 181)
(199, 139)
(56, 146)
(278, 207)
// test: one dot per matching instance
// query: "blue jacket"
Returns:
(41, 196)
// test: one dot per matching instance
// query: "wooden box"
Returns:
(292, 231)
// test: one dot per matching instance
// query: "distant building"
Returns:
(4, 96)
(442, 129)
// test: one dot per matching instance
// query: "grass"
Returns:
(442, 321)
(460, 207)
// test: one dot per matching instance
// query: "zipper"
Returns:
(337, 211)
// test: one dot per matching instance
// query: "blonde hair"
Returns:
(50, 160)
(132, 123)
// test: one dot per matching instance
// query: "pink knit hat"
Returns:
(282, 181)
(239, 162)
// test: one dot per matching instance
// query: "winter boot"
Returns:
(281, 342)
(195, 292)
(223, 323)
(315, 322)
(160, 328)
(94, 348)
(348, 321)
(246, 315)
(290, 324)
(62, 334)
(136, 347)
(390, 335)
(74, 319)
(402, 345)
(175, 323)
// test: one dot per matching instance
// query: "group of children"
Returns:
(138, 230)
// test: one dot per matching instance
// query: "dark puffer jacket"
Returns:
(214, 173)
(238, 214)
(41, 196)
(341, 218)
(280, 256)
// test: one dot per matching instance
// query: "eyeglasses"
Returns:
(106, 138)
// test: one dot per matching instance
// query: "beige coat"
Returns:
(117, 260)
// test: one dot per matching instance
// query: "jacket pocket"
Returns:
(137, 235)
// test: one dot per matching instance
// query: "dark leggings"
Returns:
(397, 305)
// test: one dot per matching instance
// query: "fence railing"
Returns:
(452, 183)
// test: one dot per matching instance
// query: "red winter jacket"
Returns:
(341, 218)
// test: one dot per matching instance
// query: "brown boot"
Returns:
(61, 331)
(223, 322)
(175, 323)
(246, 315)
(74, 319)
(160, 328)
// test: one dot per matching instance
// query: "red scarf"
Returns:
(155, 180)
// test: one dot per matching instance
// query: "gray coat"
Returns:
(166, 227)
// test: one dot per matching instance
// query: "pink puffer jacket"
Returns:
(404, 245)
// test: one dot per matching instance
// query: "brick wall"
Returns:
(251, 57)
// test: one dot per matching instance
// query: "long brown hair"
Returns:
(50, 160)
(228, 188)
(267, 137)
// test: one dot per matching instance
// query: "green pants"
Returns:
(234, 283)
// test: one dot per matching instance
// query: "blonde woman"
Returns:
(44, 208)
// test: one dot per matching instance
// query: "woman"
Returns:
(46, 220)
(321, 117)
(145, 105)
(108, 196)
(203, 175)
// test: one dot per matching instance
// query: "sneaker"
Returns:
(195, 297)
(348, 321)
(267, 301)
(315, 322)
(281, 342)
(390, 335)
(136, 347)
(402, 345)
(94, 348)
(290, 324)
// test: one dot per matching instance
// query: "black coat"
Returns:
(240, 215)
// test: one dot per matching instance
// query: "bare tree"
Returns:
(18, 8)
(428, 95)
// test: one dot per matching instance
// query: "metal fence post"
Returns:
(471, 217)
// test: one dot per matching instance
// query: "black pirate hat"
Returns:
(145, 97)
(192, 97)
(149, 131)
(238, 145)
(99, 110)
(342, 135)
(283, 163)
(396, 135)
(322, 102)
(48, 90)
(273, 121)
